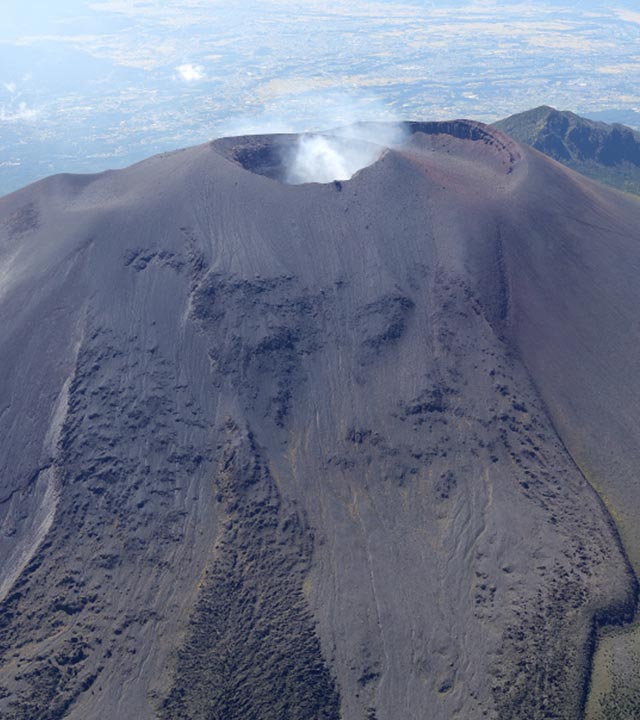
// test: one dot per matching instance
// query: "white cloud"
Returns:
(190, 73)
(21, 114)
(10, 87)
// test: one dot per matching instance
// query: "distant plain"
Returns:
(86, 86)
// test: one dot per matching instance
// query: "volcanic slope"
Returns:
(316, 451)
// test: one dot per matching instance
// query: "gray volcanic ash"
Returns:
(321, 450)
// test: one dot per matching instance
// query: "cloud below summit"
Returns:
(190, 73)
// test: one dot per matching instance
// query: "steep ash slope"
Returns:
(585, 357)
(292, 451)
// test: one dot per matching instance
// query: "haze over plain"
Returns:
(89, 85)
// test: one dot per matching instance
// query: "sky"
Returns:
(91, 84)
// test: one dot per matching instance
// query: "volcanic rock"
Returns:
(316, 451)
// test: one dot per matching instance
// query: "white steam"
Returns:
(322, 154)
(322, 158)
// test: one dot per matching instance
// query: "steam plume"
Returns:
(341, 154)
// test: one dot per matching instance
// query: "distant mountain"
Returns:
(607, 153)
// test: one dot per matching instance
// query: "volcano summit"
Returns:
(317, 450)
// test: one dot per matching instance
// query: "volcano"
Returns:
(358, 450)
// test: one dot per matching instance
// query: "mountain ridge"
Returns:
(608, 153)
